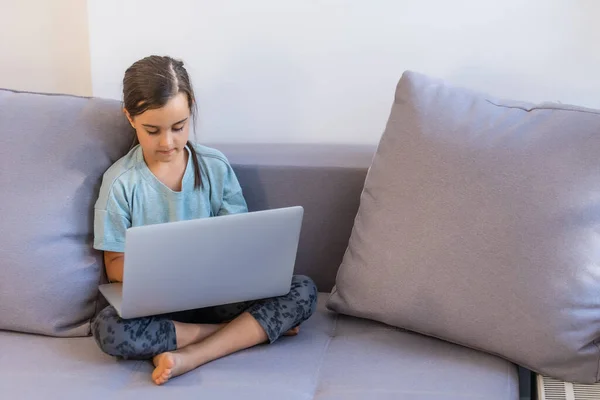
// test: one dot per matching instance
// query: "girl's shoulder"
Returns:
(209, 152)
(124, 166)
(211, 157)
(118, 180)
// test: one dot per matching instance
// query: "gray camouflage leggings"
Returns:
(143, 338)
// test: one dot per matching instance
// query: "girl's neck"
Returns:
(174, 164)
(170, 173)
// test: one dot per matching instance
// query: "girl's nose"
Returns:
(166, 140)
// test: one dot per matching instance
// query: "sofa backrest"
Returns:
(54, 151)
(326, 180)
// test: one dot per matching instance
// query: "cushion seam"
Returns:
(318, 371)
(597, 360)
(48, 94)
(557, 107)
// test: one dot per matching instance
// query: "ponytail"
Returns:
(197, 175)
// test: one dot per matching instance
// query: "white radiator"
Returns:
(553, 389)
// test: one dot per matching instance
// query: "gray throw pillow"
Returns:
(54, 150)
(479, 223)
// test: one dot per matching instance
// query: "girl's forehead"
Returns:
(176, 109)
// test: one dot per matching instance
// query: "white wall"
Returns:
(325, 70)
(44, 46)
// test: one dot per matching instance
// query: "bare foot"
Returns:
(168, 365)
(292, 332)
(171, 364)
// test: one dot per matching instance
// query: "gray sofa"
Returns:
(334, 357)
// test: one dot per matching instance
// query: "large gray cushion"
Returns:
(333, 358)
(54, 151)
(479, 223)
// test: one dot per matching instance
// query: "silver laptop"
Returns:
(206, 262)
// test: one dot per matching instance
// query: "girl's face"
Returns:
(163, 132)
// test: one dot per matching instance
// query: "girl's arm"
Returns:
(114, 265)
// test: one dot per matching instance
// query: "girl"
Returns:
(167, 178)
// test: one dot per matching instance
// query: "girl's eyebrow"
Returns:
(154, 126)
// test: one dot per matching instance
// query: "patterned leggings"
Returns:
(143, 338)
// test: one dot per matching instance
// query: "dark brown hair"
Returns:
(150, 83)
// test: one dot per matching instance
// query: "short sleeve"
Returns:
(233, 198)
(111, 218)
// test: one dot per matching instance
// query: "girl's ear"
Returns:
(128, 117)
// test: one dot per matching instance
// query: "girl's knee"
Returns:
(303, 284)
(106, 331)
(304, 292)
(139, 338)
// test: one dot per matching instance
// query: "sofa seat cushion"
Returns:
(334, 357)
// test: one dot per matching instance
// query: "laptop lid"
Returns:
(210, 261)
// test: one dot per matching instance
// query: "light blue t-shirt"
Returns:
(132, 196)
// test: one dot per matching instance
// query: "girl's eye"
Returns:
(178, 129)
(152, 132)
